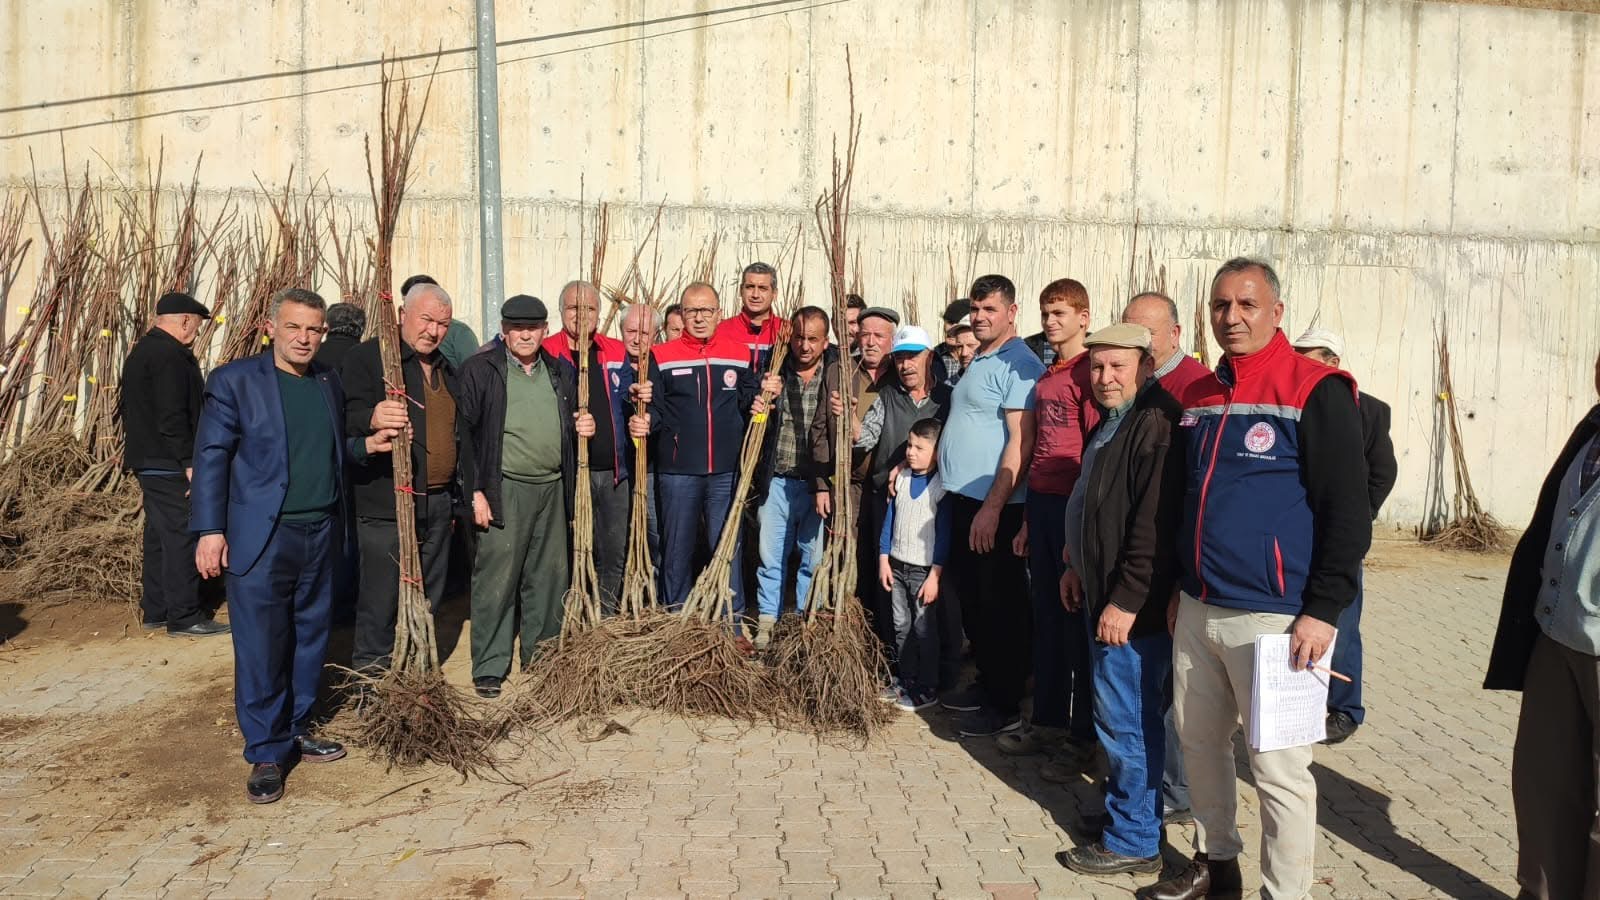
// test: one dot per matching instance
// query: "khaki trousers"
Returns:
(1553, 776)
(1213, 665)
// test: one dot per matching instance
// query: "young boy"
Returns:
(911, 553)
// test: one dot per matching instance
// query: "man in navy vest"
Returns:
(268, 505)
(1275, 525)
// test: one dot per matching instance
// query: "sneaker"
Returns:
(764, 626)
(967, 699)
(917, 701)
(1031, 739)
(1340, 727)
(988, 721)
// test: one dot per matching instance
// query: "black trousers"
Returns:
(171, 582)
(378, 604)
(996, 607)
(871, 509)
(613, 506)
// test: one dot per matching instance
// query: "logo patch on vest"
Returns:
(616, 380)
(730, 378)
(1189, 420)
(1260, 438)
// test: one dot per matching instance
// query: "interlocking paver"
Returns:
(1416, 804)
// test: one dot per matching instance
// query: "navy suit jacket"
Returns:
(241, 455)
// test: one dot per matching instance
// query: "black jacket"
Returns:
(1382, 468)
(373, 482)
(899, 414)
(481, 408)
(1132, 507)
(1518, 631)
(160, 403)
(335, 347)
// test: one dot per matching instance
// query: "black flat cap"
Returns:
(177, 303)
(881, 312)
(523, 310)
(957, 308)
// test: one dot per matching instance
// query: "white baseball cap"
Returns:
(911, 339)
(1320, 338)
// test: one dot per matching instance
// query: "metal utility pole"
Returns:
(491, 261)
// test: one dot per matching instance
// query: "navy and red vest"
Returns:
(703, 391)
(618, 365)
(1247, 534)
(757, 339)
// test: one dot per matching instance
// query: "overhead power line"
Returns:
(367, 63)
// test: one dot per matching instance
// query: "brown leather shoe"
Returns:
(1219, 880)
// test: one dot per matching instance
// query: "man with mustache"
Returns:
(426, 404)
(1275, 525)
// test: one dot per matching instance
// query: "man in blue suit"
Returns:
(267, 505)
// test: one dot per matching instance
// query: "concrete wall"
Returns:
(1401, 162)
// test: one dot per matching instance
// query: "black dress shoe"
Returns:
(1096, 859)
(316, 750)
(1340, 727)
(201, 629)
(488, 686)
(1202, 878)
(151, 625)
(265, 784)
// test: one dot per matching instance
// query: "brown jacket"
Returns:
(1131, 512)
(865, 390)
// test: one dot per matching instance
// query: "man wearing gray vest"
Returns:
(1548, 646)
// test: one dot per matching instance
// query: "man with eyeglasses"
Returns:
(702, 393)
(426, 404)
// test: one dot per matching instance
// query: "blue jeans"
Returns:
(1132, 691)
(788, 518)
(1062, 696)
(280, 612)
(916, 628)
(1346, 697)
(686, 502)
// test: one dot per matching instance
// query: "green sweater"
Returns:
(312, 491)
(531, 451)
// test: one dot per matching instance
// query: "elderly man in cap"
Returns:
(640, 324)
(524, 476)
(914, 393)
(874, 370)
(161, 400)
(1122, 551)
(1275, 525)
(425, 403)
(269, 462)
(1345, 712)
(1547, 646)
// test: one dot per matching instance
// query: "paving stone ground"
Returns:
(120, 777)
